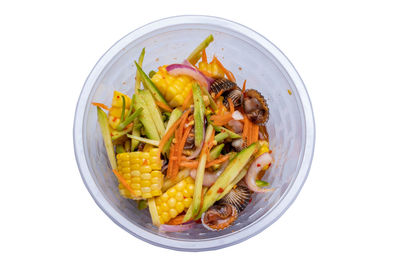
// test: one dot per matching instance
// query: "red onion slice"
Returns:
(183, 69)
(255, 168)
(176, 228)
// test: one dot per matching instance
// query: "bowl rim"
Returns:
(195, 245)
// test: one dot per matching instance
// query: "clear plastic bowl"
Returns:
(249, 56)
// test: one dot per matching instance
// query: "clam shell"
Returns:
(236, 96)
(222, 84)
(219, 216)
(239, 197)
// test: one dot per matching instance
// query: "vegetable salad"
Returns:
(190, 145)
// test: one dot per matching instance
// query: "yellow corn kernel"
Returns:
(173, 201)
(117, 100)
(145, 181)
(212, 68)
(174, 88)
(264, 148)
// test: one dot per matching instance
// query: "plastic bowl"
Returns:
(249, 56)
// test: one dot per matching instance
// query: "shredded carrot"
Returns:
(187, 100)
(189, 164)
(217, 161)
(225, 118)
(219, 94)
(170, 132)
(208, 74)
(255, 133)
(250, 133)
(244, 86)
(192, 164)
(245, 129)
(177, 220)
(231, 106)
(228, 74)
(181, 144)
(172, 160)
(123, 181)
(101, 105)
(204, 56)
(164, 106)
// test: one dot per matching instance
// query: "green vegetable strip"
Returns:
(175, 115)
(105, 131)
(210, 98)
(142, 204)
(135, 132)
(123, 110)
(120, 134)
(145, 118)
(149, 85)
(261, 183)
(199, 111)
(151, 73)
(145, 140)
(221, 136)
(120, 149)
(154, 111)
(137, 82)
(239, 177)
(229, 174)
(128, 120)
(136, 122)
(200, 173)
(196, 54)
(216, 151)
(217, 128)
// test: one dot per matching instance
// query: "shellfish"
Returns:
(222, 84)
(235, 95)
(255, 106)
(239, 197)
(219, 216)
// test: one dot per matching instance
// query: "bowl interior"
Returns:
(247, 60)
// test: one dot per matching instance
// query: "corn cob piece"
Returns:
(264, 148)
(116, 108)
(212, 68)
(174, 88)
(175, 200)
(141, 170)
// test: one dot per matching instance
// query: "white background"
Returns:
(347, 53)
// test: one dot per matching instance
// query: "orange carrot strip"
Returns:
(231, 106)
(250, 133)
(217, 161)
(245, 129)
(101, 105)
(175, 167)
(123, 182)
(177, 220)
(189, 164)
(187, 101)
(244, 86)
(204, 56)
(172, 159)
(255, 132)
(182, 143)
(219, 94)
(163, 106)
(228, 74)
(169, 133)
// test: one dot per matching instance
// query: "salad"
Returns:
(190, 145)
